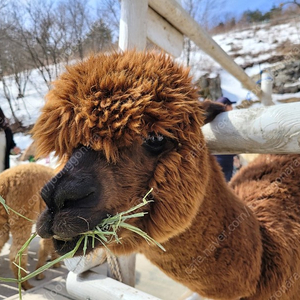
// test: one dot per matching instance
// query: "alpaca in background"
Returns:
(20, 187)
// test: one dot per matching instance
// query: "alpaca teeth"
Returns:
(60, 238)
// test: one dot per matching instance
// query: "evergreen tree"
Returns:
(99, 36)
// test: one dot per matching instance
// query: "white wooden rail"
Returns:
(94, 286)
(274, 129)
(81, 264)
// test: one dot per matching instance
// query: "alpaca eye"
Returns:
(154, 143)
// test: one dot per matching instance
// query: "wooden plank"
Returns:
(133, 24)
(80, 264)
(192, 296)
(55, 289)
(90, 285)
(267, 88)
(174, 13)
(163, 34)
(127, 269)
(273, 129)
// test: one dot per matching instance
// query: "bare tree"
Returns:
(44, 34)
(78, 22)
(290, 2)
(67, 47)
(204, 12)
(9, 97)
(13, 70)
(6, 56)
(99, 37)
(33, 24)
(109, 10)
(3, 4)
(44, 31)
(192, 10)
(15, 62)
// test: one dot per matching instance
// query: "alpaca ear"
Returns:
(211, 110)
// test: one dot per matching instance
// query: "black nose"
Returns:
(66, 188)
(48, 190)
(76, 181)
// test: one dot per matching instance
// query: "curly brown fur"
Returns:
(128, 122)
(20, 187)
(270, 185)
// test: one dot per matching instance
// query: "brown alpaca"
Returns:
(20, 186)
(129, 122)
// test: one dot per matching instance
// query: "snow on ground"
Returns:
(259, 38)
(23, 141)
(251, 45)
(27, 109)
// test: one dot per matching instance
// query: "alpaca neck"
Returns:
(219, 255)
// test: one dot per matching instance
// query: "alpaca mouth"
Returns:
(65, 245)
(66, 228)
(61, 238)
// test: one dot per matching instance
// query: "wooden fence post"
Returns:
(133, 24)
(267, 88)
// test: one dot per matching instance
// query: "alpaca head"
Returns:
(122, 124)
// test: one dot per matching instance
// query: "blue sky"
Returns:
(237, 7)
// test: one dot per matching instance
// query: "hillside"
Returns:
(255, 48)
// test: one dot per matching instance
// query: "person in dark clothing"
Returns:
(226, 161)
(226, 102)
(10, 145)
(7, 143)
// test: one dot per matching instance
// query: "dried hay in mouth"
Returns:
(61, 239)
